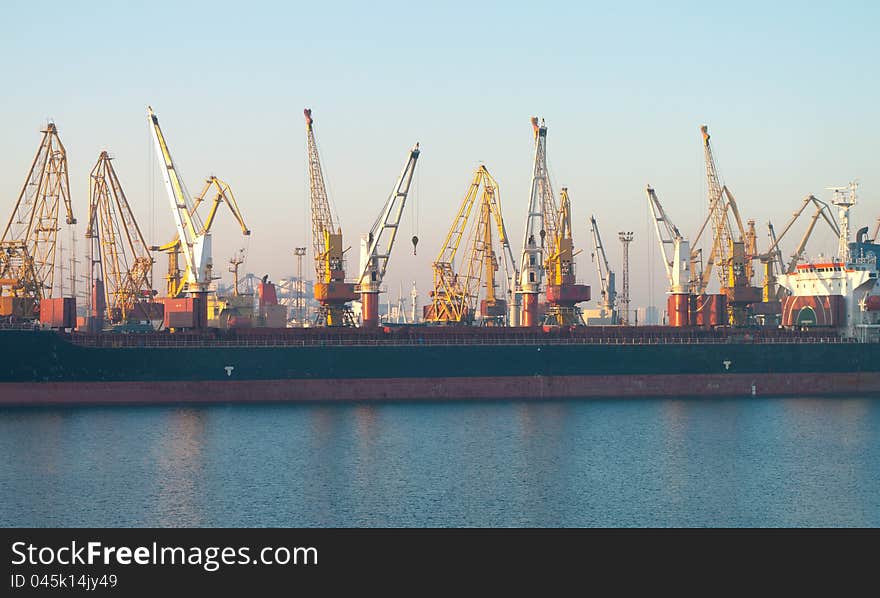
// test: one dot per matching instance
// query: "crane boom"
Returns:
(195, 246)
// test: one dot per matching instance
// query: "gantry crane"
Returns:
(29, 241)
(678, 262)
(121, 265)
(606, 276)
(222, 194)
(331, 291)
(540, 233)
(456, 290)
(195, 241)
(376, 246)
(563, 292)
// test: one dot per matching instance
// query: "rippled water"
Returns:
(710, 462)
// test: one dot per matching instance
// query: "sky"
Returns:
(788, 89)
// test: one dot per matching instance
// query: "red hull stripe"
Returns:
(379, 389)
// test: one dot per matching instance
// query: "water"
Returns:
(737, 462)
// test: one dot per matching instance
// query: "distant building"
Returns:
(647, 316)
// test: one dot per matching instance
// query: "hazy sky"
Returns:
(789, 91)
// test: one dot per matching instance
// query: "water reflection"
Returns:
(179, 468)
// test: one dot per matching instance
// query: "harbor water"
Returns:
(690, 462)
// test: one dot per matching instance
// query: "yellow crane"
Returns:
(29, 242)
(563, 292)
(331, 291)
(121, 265)
(456, 292)
(730, 246)
(222, 195)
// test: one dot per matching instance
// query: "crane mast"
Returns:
(376, 247)
(540, 231)
(331, 291)
(28, 245)
(121, 264)
(604, 272)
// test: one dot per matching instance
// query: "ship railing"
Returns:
(137, 341)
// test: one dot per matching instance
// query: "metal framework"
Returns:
(29, 242)
(120, 257)
(625, 238)
(456, 293)
(331, 290)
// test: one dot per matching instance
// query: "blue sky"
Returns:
(789, 91)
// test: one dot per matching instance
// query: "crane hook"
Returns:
(415, 242)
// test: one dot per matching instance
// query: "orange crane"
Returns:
(121, 265)
(456, 292)
(331, 291)
(29, 241)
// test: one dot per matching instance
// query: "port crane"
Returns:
(331, 291)
(678, 262)
(563, 292)
(606, 276)
(29, 241)
(222, 195)
(540, 233)
(121, 265)
(195, 240)
(729, 244)
(456, 291)
(376, 246)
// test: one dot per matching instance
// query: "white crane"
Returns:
(540, 231)
(606, 276)
(677, 260)
(376, 247)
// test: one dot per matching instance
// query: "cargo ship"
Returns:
(43, 367)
